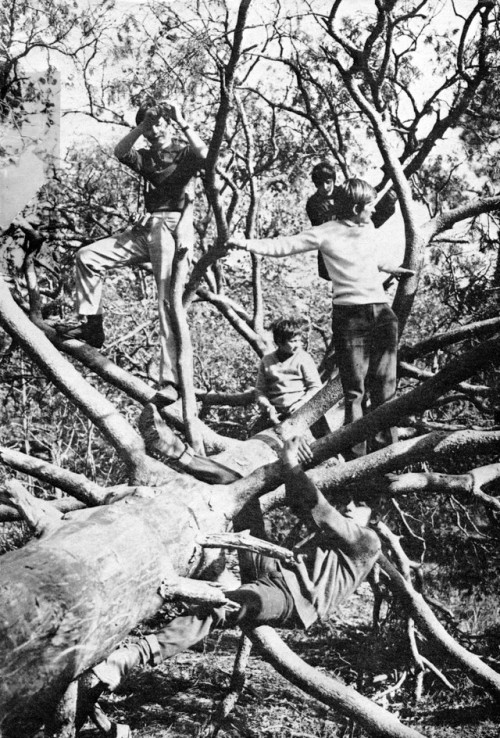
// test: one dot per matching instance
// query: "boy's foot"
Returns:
(91, 332)
(161, 442)
(166, 396)
(90, 688)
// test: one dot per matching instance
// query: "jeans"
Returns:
(365, 339)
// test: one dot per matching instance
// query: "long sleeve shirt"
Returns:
(351, 254)
(290, 383)
(334, 559)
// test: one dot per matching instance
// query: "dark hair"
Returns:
(323, 171)
(351, 193)
(286, 328)
(148, 105)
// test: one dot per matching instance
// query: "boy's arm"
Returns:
(312, 381)
(261, 395)
(308, 240)
(124, 148)
(305, 499)
(173, 111)
(396, 271)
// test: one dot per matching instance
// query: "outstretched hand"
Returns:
(172, 111)
(296, 451)
(237, 241)
(402, 272)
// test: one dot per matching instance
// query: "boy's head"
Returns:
(323, 175)
(287, 334)
(355, 200)
(157, 122)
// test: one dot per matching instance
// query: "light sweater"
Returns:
(287, 382)
(351, 254)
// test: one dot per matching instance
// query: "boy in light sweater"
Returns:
(288, 376)
(364, 327)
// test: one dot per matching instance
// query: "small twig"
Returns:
(393, 688)
(437, 672)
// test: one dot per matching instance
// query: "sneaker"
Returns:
(161, 442)
(90, 688)
(91, 333)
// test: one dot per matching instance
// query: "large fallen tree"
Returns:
(105, 560)
(69, 597)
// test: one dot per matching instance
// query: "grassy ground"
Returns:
(179, 697)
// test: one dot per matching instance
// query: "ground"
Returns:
(178, 698)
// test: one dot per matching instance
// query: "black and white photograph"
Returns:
(249, 369)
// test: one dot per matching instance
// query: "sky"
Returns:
(80, 128)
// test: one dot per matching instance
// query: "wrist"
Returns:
(184, 127)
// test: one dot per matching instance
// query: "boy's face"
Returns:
(156, 131)
(291, 345)
(326, 187)
(362, 214)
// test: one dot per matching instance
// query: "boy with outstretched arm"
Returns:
(364, 327)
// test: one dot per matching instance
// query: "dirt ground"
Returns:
(179, 697)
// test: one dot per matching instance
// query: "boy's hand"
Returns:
(171, 111)
(402, 272)
(296, 451)
(237, 241)
(151, 116)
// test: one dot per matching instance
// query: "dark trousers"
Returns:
(365, 339)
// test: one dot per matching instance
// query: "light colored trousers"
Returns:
(150, 240)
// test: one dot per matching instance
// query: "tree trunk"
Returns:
(67, 599)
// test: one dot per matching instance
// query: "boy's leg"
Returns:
(382, 375)
(161, 245)
(90, 264)
(263, 601)
(351, 327)
(163, 444)
(92, 261)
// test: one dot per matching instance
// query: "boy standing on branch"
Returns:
(168, 169)
(364, 327)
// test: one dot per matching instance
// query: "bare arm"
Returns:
(306, 500)
(197, 144)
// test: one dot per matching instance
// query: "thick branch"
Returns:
(76, 485)
(479, 329)
(328, 690)
(468, 485)
(97, 408)
(40, 515)
(445, 221)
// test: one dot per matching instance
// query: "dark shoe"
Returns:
(89, 691)
(166, 396)
(161, 442)
(91, 332)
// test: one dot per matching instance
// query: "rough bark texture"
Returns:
(69, 598)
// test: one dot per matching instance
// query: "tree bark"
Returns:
(67, 599)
